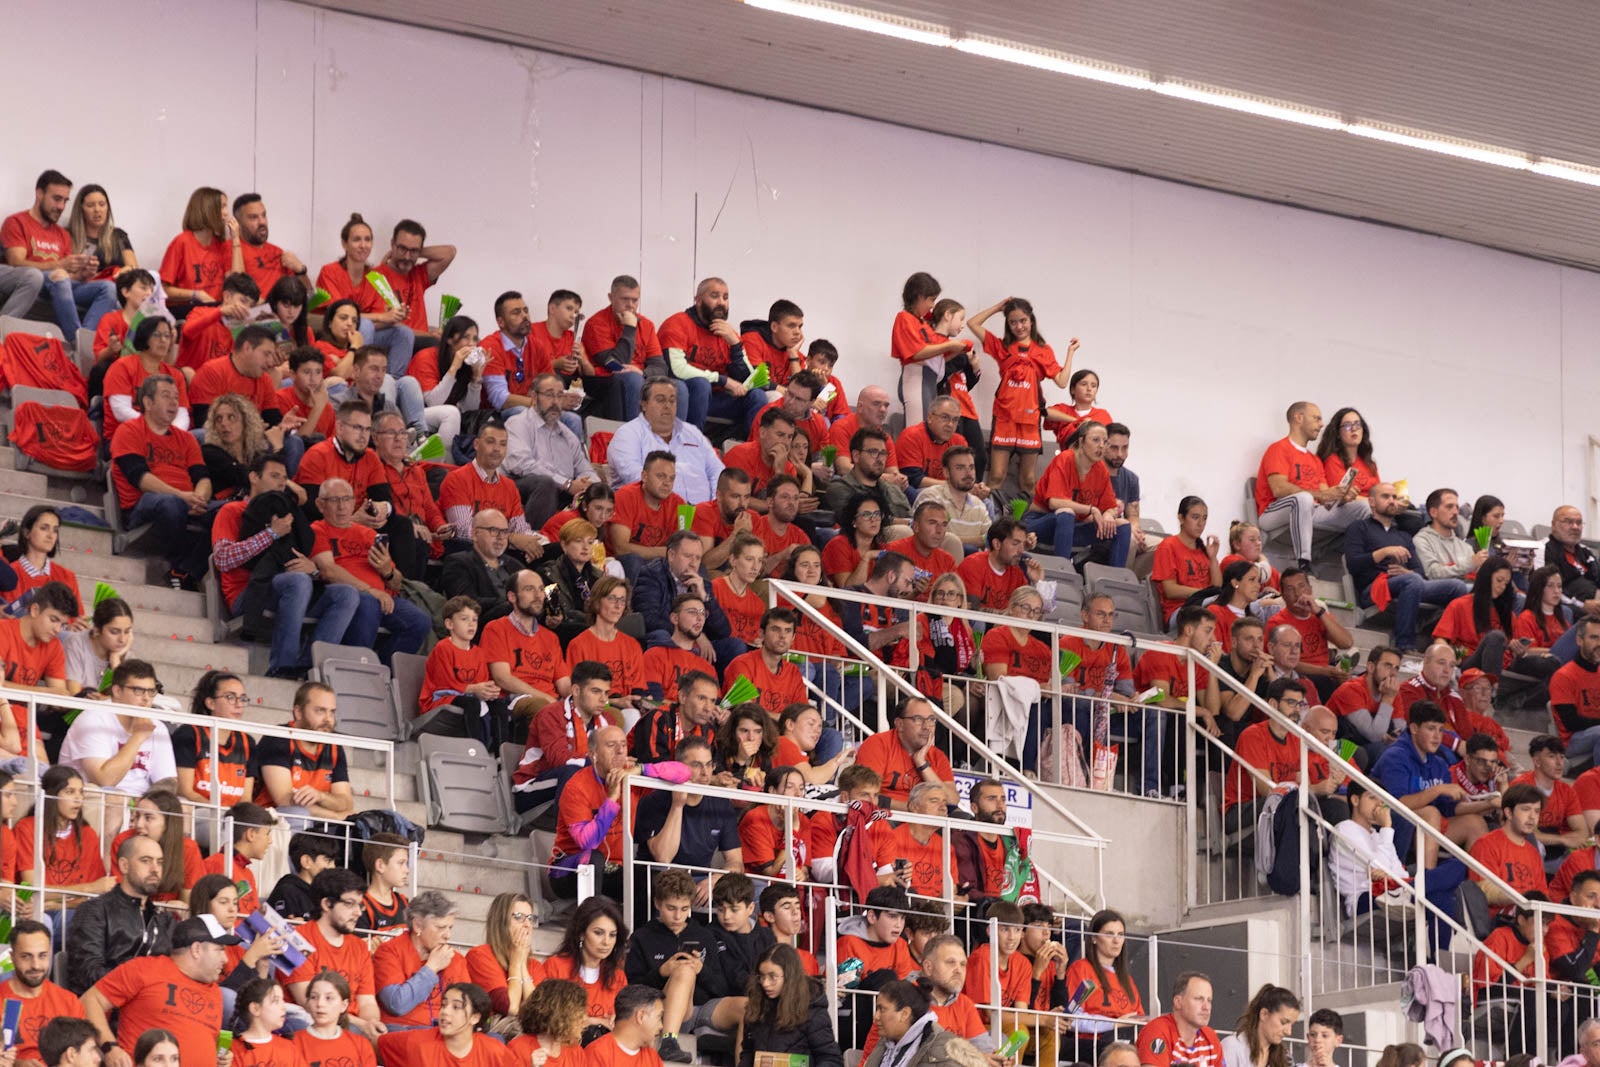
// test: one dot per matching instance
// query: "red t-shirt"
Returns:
(602, 997)
(336, 280)
(845, 428)
(665, 664)
(647, 527)
(1160, 1045)
(1571, 684)
(26, 664)
(927, 860)
(27, 583)
(814, 426)
(757, 349)
(44, 242)
(748, 458)
(289, 403)
(504, 360)
(264, 264)
(1519, 866)
(927, 565)
(151, 993)
(1560, 804)
(349, 546)
(225, 527)
(992, 590)
(1353, 695)
(1313, 633)
(778, 690)
(448, 673)
(396, 960)
(322, 462)
(602, 332)
(1177, 562)
(704, 349)
(1277, 758)
(71, 861)
(759, 837)
(205, 339)
(412, 290)
(1578, 860)
(708, 522)
(345, 1050)
(241, 872)
(1075, 418)
(1300, 465)
(1095, 663)
(1334, 466)
(48, 1002)
(840, 556)
(174, 457)
(918, 450)
(876, 956)
(124, 377)
(1109, 1000)
(274, 1052)
(1062, 481)
(425, 1048)
(607, 1053)
(960, 1017)
(910, 335)
(1543, 630)
(220, 376)
(884, 753)
(1016, 977)
(535, 658)
(622, 654)
(486, 973)
(188, 264)
(744, 610)
(1026, 656)
(1023, 365)
(465, 487)
(1165, 669)
(350, 958)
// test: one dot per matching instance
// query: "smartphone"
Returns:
(691, 947)
(381, 540)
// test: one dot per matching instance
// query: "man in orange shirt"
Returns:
(871, 413)
(589, 817)
(919, 847)
(925, 547)
(176, 992)
(481, 485)
(921, 447)
(646, 514)
(768, 667)
(904, 754)
(796, 403)
(944, 963)
(35, 240)
(161, 479)
(412, 267)
(706, 353)
(716, 521)
(778, 529)
(623, 348)
(244, 373)
(991, 577)
(1074, 505)
(631, 1042)
(1511, 852)
(1292, 492)
(335, 947)
(347, 553)
(1266, 754)
(42, 1000)
(765, 457)
(264, 261)
(524, 655)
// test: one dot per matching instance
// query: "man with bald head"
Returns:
(483, 572)
(871, 413)
(1322, 724)
(589, 817)
(1383, 564)
(1291, 491)
(705, 352)
(1579, 567)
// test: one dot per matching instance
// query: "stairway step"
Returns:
(81, 538)
(120, 571)
(145, 598)
(15, 482)
(169, 655)
(18, 502)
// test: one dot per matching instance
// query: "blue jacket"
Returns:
(1402, 771)
(1361, 541)
(654, 590)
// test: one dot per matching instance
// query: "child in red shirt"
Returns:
(458, 670)
(1025, 362)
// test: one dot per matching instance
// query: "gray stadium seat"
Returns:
(1513, 528)
(1069, 604)
(83, 351)
(121, 536)
(37, 327)
(463, 787)
(1135, 609)
(223, 624)
(447, 719)
(366, 698)
(510, 755)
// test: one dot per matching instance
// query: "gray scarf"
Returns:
(899, 1053)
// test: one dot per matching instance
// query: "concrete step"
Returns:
(120, 571)
(167, 654)
(366, 783)
(145, 598)
(80, 537)
(15, 503)
(15, 482)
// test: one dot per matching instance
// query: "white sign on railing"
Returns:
(1019, 802)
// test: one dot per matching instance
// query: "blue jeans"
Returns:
(1410, 591)
(398, 340)
(19, 288)
(294, 450)
(1152, 731)
(833, 682)
(705, 402)
(1584, 744)
(1064, 532)
(829, 744)
(69, 298)
(187, 551)
(408, 626)
(291, 598)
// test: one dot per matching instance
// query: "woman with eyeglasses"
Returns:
(1345, 445)
(605, 643)
(863, 531)
(504, 965)
(1013, 650)
(154, 352)
(220, 695)
(159, 816)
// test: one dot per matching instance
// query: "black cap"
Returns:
(203, 929)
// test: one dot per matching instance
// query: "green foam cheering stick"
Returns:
(1070, 661)
(385, 290)
(685, 516)
(760, 378)
(742, 691)
(448, 306)
(431, 448)
(319, 298)
(1482, 535)
(104, 592)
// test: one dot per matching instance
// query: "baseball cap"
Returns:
(1470, 675)
(202, 929)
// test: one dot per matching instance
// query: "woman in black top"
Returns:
(785, 1012)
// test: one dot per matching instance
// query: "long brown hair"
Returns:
(596, 907)
(1119, 966)
(792, 1006)
(203, 213)
(497, 927)
(172, 839)
(53, 781)
(1402, 1055)
(111, 246)
(1269, 998)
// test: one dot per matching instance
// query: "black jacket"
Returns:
(652, 944)
(814, 1039)
(654, 590)
(293, 899)
(465, 574)
(564, 607)
(1580, 576)
(114, 928)
(739, 952)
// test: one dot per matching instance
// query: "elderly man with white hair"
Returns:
(347, 553)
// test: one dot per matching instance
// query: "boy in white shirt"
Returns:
(1363, 853)
(122, 753)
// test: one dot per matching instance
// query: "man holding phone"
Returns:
(677, 955)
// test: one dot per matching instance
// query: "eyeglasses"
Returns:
(916, 720)
(1349, 426)
(521, 916)
(875, 453)
(496, 531)
(232, 698)
(869, 514)
(615, 598)
(1028, 613)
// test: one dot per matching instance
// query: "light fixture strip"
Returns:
(927, 33)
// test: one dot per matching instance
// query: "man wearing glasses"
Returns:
(486, 570)
(348, 553)
(1266, 754)
(869, 455)
(922, 447)
(543, 454)
(904, 755)
(122, 753)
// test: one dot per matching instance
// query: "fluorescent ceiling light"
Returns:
(1089, 69)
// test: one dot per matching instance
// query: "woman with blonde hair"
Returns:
(504, 965)
(95, 233)
(552, 1021)
(234, 437)
(208, 250)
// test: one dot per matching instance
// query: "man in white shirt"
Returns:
(965, 499)
(658, 428)
(1364, 852)
(122, 753)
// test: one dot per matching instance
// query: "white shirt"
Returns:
(698, 465)
(1356, 850)
(98, 735)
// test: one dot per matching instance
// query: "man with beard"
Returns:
(668, 661)
(870, 450)
(904, 755)
(981, 857)
(297, 775)
(557, 745)
(944, 964)
(966, 499)
(1365, 703)
(508, 375)
(1375, 549)
(1125, 484)
(176, 992)
(1104, 671)
(778, 529)
(678, 572)
(41, 999)
(716, 521)
(264, 261)
(114, 927)
(545, 457)
(35, 239)
(524, 655)
(412, 267)
(334, 947)
(871, 413)
(796, 403)
(705, 351)
(991, 577)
